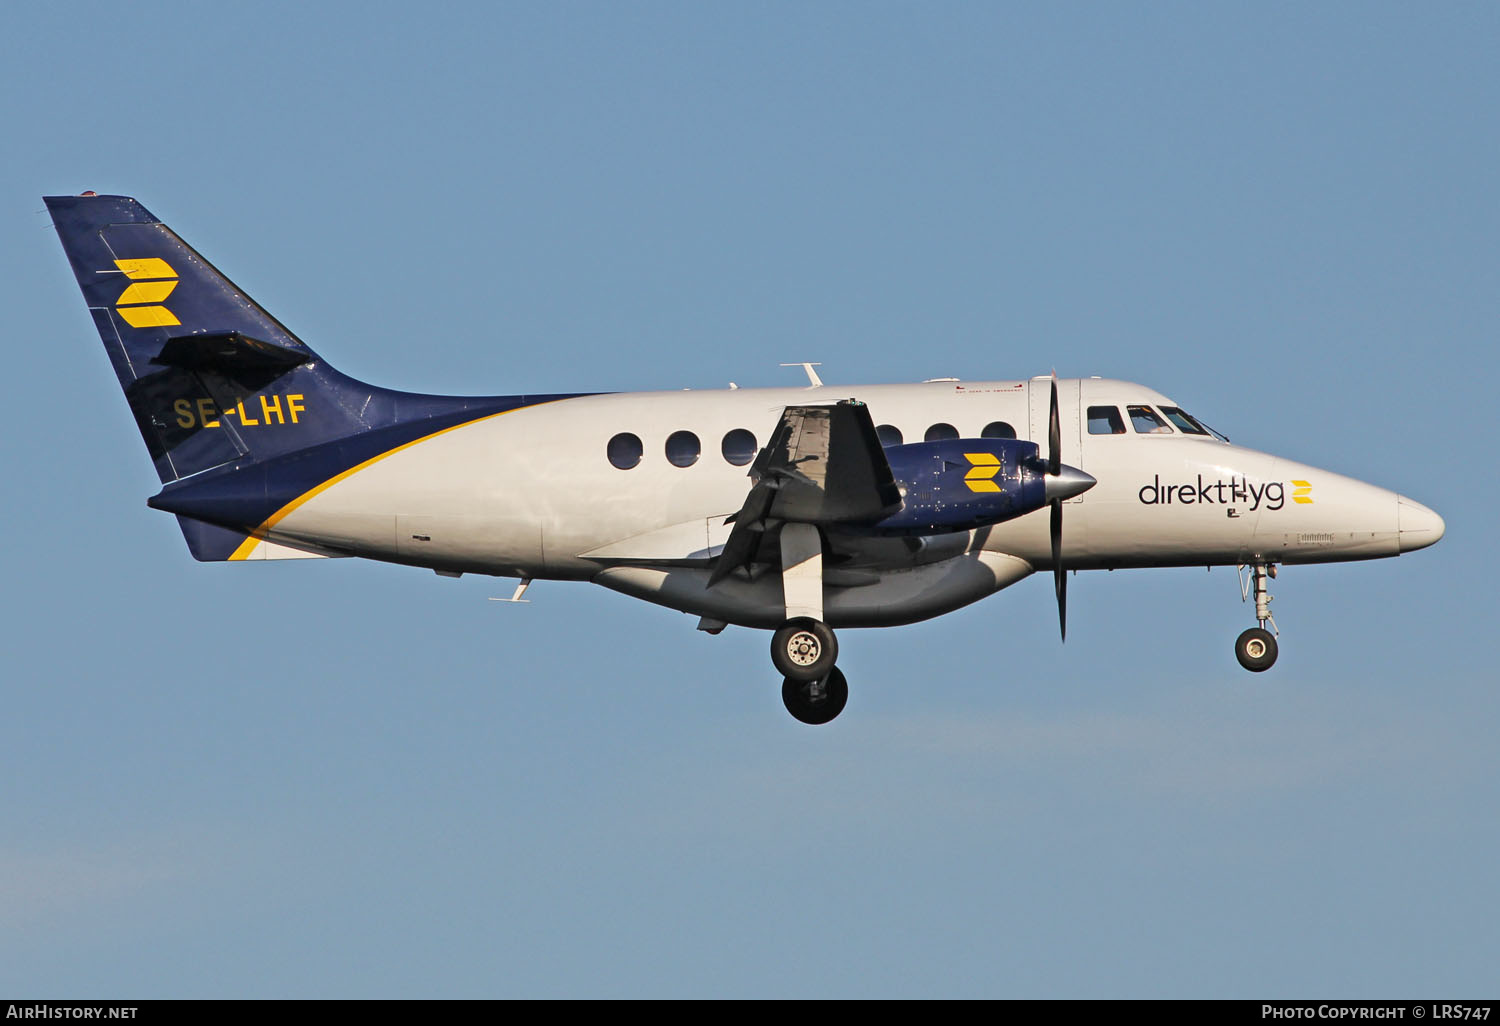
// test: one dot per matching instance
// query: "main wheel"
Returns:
(804, 649)
(1256, 649)
(816, 702)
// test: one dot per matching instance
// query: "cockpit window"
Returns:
(1146, 421)
(1183, 421)
(1217, 434)
(1105, 420)
(1190, 425)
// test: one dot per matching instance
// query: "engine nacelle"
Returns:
(960, 484)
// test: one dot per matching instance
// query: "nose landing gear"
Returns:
(1256, 648)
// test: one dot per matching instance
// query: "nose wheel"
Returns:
(1256, 648)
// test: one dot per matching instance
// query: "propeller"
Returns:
(1062, 482)
(1054, 468)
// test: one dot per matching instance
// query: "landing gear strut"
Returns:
(1256, 648)
(804, 648)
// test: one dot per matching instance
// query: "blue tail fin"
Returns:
(209, 375)
(214, 381)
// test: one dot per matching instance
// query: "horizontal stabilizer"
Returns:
(229, 353)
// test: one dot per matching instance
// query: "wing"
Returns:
(823, 465)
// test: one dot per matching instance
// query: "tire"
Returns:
(1256, 649)
(804, 649)
(795, 696)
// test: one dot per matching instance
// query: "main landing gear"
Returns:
(1256, 647)
(818, 701)
(813, 688)
(804, 649)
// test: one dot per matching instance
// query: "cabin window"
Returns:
(998, 429)
(940, 433)
(1105, 420)
(683, 448)
(739, 447)
(1146, 421)
(889, 435)
(624, 450)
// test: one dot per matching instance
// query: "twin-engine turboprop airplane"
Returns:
(794, 510)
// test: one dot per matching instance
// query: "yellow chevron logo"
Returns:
(1301, 492)
(982, 467)
(152, 280)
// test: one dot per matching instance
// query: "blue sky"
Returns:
(338, 779)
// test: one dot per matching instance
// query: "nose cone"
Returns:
(1070, 481)
(1419, 526)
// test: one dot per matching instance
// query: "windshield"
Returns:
(1188, 424)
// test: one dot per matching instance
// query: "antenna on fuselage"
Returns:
(520, 590)
(812, 375)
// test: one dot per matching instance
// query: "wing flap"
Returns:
(827, 466)
(824, 465)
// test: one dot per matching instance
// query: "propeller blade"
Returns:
(1054, 434)
(1077, 481)
(1059, 575)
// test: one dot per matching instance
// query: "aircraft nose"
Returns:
(1418, 526)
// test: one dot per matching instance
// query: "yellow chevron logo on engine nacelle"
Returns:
(152, 280)
(983, 467)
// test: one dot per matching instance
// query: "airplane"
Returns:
(797, 510)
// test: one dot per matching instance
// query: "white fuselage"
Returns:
(532, 494)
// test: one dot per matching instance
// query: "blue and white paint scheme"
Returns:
(798, 510)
